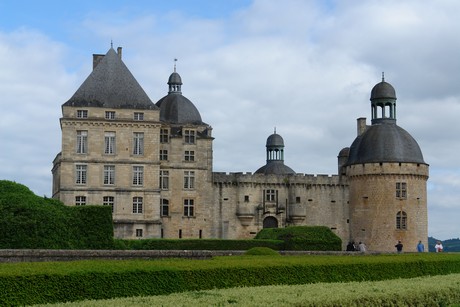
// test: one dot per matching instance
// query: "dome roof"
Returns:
(177, 109)
(175, 78)
(275, 140)
(385, 142)
(344, 152)
(275, 167)
(383, 90)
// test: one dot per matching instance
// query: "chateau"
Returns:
(152, 163)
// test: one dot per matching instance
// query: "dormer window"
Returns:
(138, 116)
(82, 113)
(189, 136)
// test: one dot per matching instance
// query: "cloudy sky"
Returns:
(304, 67)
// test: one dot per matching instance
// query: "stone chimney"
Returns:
(361, 125)
(119, 52)
(96, 59)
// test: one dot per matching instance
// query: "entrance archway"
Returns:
(270, 222)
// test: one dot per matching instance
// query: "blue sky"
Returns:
(304, 67)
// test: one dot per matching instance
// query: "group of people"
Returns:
(361, 247)
(353, 247)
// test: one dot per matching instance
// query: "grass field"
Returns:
(443, 290)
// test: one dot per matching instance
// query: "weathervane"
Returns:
(175, 60)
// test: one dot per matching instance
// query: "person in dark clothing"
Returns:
(399, 247)
(350, 247)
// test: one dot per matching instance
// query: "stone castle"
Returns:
(152, 163)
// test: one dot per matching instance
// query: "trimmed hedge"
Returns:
(196, 244)
(30, 221)
(38, 283)
(312, 238)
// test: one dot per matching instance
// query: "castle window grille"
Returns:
(80, 173)
(138, 143)
(189, 156)
(270, 195)
(189, 137)
(189, 180)
(139, 233)
(164, 180)
(109, 114)
(188, 207)
(401, 190)
(401, 220)
(138, 175)
(82, 142)
(164, 136)
(137, 204)
(109, 201)
(109, 174)
(164, 207)
(80, 200)
(163, 155)
(138, 116)
(82, 113)
(109, 143)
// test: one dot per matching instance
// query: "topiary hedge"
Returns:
(313, 238)
(30, 221)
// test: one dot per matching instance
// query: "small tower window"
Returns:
(401, 220)
(401, 190)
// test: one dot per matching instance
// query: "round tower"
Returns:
(387, 180)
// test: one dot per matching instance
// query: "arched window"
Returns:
(401, 220)
(270, 222)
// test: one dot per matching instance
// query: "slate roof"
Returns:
(111, 85)
(275, 167)
(385, 142)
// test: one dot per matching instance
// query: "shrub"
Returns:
(315, 238)
(261, 251)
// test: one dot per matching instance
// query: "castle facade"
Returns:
(152, 163)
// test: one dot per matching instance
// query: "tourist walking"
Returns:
(438, 247)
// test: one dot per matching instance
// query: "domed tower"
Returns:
(275, 157)
(387, 180)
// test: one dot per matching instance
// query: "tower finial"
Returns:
(383, 76)
(274, 130)
(111, 43)
(175, 61)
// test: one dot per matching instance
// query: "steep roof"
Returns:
(111, 85)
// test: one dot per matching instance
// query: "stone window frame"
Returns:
(164, 135)
(189, 156)
(138, 143)
(110, 115)
(81, 174)
(139, 233)
(80, 200)
(164, 207)
(81, 142)
(401, 190)
(189, 136)
(138, 202)
(138, 175)
(109, 201)
(82, 113)
(164, 180)
(189, 180)
(401, 220)
(189, 207)
(139, 116)
(109, 174)
(163, 155)
(110, 141)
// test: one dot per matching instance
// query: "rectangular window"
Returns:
(137, 204)
(189, 180)
(270, 195)
(189, 136)
(139, 233)
(138, 143)
(82, 142)
(82, 113)
(138, 116)
(401, 190)
(188, 207)
(138, 175)
(189, 155)
(108, 201)
(163, 155)
(246, 198)
(164, 180)
(109, 114)
(80, 200)
(401, 220)
(164, 136)
(109, 143)
(109, 174)
(297, 200)
(164, 207)
(80, 173)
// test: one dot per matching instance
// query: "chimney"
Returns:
(119, 52)
(361, 125)
(96, 59)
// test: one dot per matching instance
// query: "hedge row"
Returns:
(196, 244)
(30, 221)
(103, 280)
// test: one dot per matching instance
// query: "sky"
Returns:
(304, 68)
